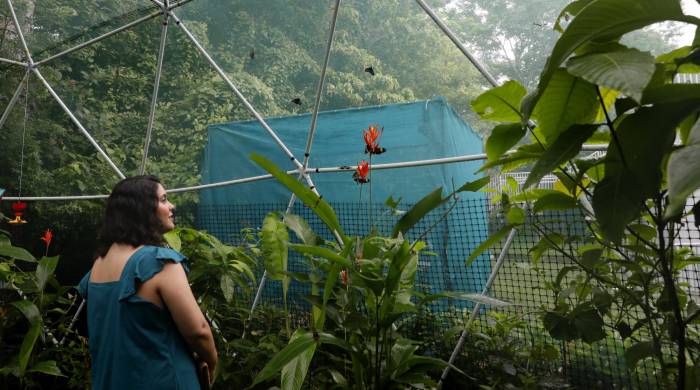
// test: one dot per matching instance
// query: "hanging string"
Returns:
(24, 131)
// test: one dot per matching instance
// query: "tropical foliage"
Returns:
(595, 89)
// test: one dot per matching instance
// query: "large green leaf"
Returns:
(617, 201)
(274, 245)
(493, 239)
(502, 138)
(311, 200)
(28, 309)
(173, 239)
(566, 147)
(478, 298)
(16, 253)
(684, 172)
(671, 94)
(44, 270)
(475, 185)
(25, 350)
(294, 372)
(627, 71)
(554, 201)
(47, 367)
(500, 103)
(322, 252)
(228, 287)
(302, 229)
(418, 211)
(604, 20)
(568, 13)
(637, 352)
(566, 101)
(295, 348)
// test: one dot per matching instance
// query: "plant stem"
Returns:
(666, 262)
(369, 208)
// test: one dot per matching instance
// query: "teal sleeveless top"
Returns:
(134, 344)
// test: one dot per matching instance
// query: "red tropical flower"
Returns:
(371, 137)
(344, 277)
(360, 174)
(48, 235)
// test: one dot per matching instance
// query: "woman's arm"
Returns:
(175, 291)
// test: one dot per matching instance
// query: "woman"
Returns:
(144, 323)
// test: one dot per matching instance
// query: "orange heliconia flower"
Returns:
(360, 174)
(344, 277)
(371, 137)
(48, 235)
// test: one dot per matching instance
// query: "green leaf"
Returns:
(301, 228)
(637, 352)
(500, 103)
(617, 201)
(173, 239)
(322, 252)
(515, 216)
(294, 372)
(565, 147)
(559, 326)
(418, 211)
(684, 172)
(627, 70)
(28, 309)
(589, 325)
(566, 101)
(502, 138)
(16, 253)
(554, 201)
(604, 20)
(47, 367)
(311, 200)
(228, 287)
(493, 239)
(475, 185)
(478, 298)
(569, 12)
(296, 347)
(274, 245)
(338, 378)
(672, 94)
(44, 270)
(25, 350)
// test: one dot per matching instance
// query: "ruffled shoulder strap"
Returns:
(143, 265)
(83, 285)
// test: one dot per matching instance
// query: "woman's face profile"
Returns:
(165, 210)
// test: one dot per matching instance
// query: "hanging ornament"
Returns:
(18, 208)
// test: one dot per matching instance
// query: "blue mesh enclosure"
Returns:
(412, 131)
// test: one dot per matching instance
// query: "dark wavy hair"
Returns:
(130, 216)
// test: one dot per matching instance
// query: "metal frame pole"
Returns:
(77, 123)
(309, 140)
(13, 100)
(20, 34)
(457, 43)
(156, 84)
(477, 307)
(407, 164)
(13, 62)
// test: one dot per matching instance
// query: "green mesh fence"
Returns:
(599, 365)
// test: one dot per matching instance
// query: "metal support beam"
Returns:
(458, 43)
(13, 62)
(77, 123)
(156, 84)
(13, 100)
(309, 140)
(406, 164)
(477, 307)
(20, 34)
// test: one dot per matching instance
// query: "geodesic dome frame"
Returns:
(303, 171)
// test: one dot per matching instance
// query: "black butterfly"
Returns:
(252, 54)
(358, 179)
(370, 70)
(374, 149)
(297, 101)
